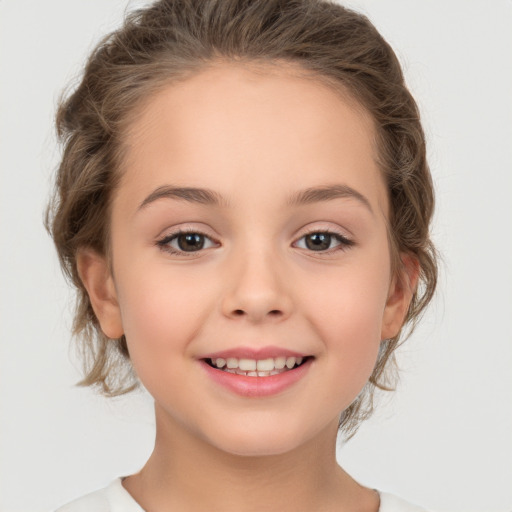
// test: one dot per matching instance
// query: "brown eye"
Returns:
(323, 241)
(185, 242)
(318, 241)
(189, 242)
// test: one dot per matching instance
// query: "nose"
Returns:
(257, 288)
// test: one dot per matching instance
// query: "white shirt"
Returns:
(115, 498)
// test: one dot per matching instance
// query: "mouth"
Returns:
(257, 367)
(257, 373)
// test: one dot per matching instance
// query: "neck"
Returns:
(188, 474)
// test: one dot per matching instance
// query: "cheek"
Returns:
(160, 312)
(347, 310)
(352, 302)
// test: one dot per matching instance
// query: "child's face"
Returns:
(268, 269)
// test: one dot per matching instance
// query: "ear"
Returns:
(95, 274)
(401, 290)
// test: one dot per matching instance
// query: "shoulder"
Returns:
(391, 503)
(113, 498)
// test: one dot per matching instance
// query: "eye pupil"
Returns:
(190, 242)
(318, 241)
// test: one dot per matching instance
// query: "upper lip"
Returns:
(254, 353)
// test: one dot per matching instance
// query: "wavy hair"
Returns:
(170, 40)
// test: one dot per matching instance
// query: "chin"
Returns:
(257, 449)
(261, 442)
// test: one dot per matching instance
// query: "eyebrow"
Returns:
(190, 194)
(328, 193)
(209, 197)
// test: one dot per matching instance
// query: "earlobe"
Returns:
(401, 291)
(96, 277)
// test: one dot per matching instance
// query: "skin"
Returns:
(255, 137)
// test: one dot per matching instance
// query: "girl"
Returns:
(243, 205)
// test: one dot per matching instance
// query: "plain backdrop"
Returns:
(444, 439)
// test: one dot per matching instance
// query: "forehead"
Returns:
(271, 128)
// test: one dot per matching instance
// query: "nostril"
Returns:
(273, 313)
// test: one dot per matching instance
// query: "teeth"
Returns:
(247, 365)
(265, 365)
(279, 363)
(290, 362)
(232, 362)
(256, 367)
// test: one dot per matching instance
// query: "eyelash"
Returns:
(344, 243)
(164, 242)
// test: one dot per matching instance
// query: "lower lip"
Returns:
(257, 386)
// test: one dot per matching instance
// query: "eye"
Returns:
(322, 241)
(185, 242)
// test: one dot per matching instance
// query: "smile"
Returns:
(256, 374)
(256, 367)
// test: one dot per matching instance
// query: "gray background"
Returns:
(443, 439)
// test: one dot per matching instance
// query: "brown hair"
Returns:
(168, 41)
